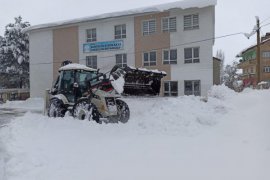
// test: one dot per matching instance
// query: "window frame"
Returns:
(266, 69)
(192, 25)
(192, 92)
(169, 61)
(91, 38)
(168, 26)
(89, 62)
(148, 27)
(170, 93)
(266, 54)
(149, 58)
(193, 59)
(123, 30)
(123, 60)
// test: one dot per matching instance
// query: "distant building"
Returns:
(216, 71)
(248, 63)
(165, 37)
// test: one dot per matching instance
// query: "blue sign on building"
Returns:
(103, 46)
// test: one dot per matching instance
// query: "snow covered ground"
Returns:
(166, 138)
(32, 104)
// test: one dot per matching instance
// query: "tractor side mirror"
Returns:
(53, 91)
(75, 85)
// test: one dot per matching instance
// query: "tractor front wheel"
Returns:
(123, 112)
(56, 108)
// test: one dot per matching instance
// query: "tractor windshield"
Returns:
(82, 78)
(69, 77)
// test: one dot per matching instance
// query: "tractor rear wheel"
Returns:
(56, 108)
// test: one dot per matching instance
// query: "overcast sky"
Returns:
(232, 16)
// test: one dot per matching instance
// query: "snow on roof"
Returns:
(184, 4)
(74, 66)
(250, 47)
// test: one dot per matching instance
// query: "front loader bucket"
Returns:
(141, 81)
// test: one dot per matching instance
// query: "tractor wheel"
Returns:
(123, 112)
(83, 110)
(56, 108)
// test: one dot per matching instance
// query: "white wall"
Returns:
(195, 71)
(105, 32)
(41, 58)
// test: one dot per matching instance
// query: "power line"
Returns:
(178, 45)
(266, 19)
(265, 25)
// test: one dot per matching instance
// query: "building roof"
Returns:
(251, 47)
(184, 4)
(215, 58)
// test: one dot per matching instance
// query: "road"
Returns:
(7, 114)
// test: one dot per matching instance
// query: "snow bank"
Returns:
(31, 104)
(166, 138)
(221, 92)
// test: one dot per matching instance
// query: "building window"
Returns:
(267, 69)
(266, 54)
(91, 61)
(120, 31)
(191, 22)
(121, 60)
(150, 58)
(170, 88)
(169, 24)
(192, 55)
(149, 27)
(91, 35)
(193, 88)
(170, 56)
(251, 70)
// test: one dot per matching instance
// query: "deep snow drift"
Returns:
(166, 138)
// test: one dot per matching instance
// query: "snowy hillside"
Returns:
(166, 138)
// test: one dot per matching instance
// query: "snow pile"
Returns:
(186, 116)
(118, 84)
(166, 138)
(221, 92)
(32, 104)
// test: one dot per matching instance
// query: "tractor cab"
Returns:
(73, 81)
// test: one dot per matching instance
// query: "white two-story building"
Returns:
(175, 37)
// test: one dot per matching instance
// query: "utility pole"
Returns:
(258, 58)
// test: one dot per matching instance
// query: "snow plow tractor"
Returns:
(85, 93)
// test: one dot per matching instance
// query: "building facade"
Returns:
(168, 37)
(248, 63)
(216, 71)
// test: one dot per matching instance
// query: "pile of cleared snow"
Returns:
(162, 136)
(32, 104)
(182, 115)
(221, 92)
